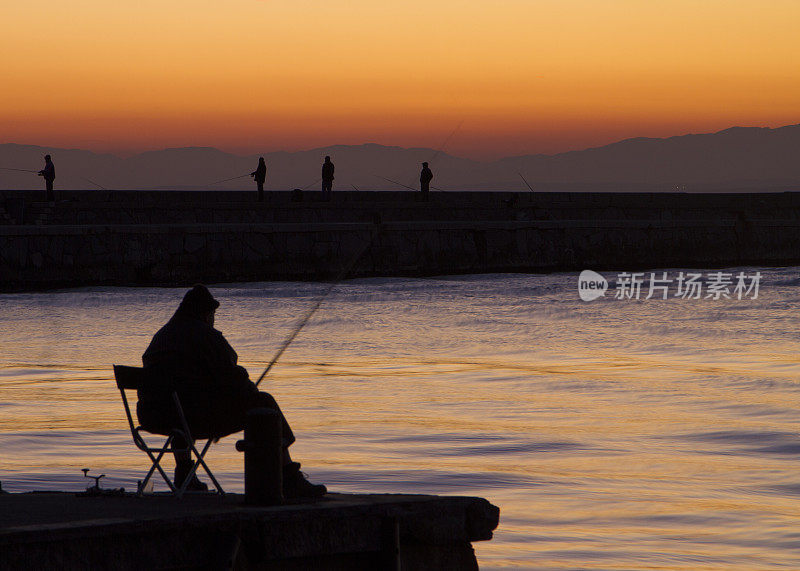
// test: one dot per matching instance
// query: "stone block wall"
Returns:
(185, 238)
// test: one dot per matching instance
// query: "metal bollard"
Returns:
(263, 457)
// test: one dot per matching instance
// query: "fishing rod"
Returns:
(20, 170)
(312, 184)
(403, 185)
(29, 170)
(100, 186)
(228, 179)
(395, 182)
(525, 181)
(346, 270)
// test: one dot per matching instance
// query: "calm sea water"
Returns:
(657, 434)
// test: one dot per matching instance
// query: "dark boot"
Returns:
(195, 485)
(295, 484)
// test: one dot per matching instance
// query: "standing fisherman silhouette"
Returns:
(260, 175)
(191, 357)
(425, 178)
(49, 174)
(327, 178)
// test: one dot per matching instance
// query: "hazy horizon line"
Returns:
(238, 153)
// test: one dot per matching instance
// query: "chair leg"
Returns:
(169, 447)
(200, 462)
(157, 466)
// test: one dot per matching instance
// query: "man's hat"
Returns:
(199, 301)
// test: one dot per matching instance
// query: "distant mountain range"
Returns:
(736, 158)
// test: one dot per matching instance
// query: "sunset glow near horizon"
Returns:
(518, 76)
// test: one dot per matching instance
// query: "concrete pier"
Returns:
(178, 238)
(206, 531)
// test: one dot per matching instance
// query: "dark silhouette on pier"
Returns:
(214, 391)
(49, 174)
(327, 178)
(260, 175)
(425, 178)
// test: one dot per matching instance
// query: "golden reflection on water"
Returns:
(659, 436)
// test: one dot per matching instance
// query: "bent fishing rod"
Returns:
(345, 271)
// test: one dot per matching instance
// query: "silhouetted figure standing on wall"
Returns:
(49, 174)
(191, 357)
(327, 178)
(425, 178)
(260, 175)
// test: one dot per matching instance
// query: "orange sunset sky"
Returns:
(518, 76)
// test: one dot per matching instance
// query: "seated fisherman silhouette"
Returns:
(190, 356)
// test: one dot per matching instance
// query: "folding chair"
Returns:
(132, 378)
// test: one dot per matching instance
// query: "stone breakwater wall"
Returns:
(52, 530)
(177, 238)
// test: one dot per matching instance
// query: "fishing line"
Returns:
(435, 154)
(345, 271)
(447, 140)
